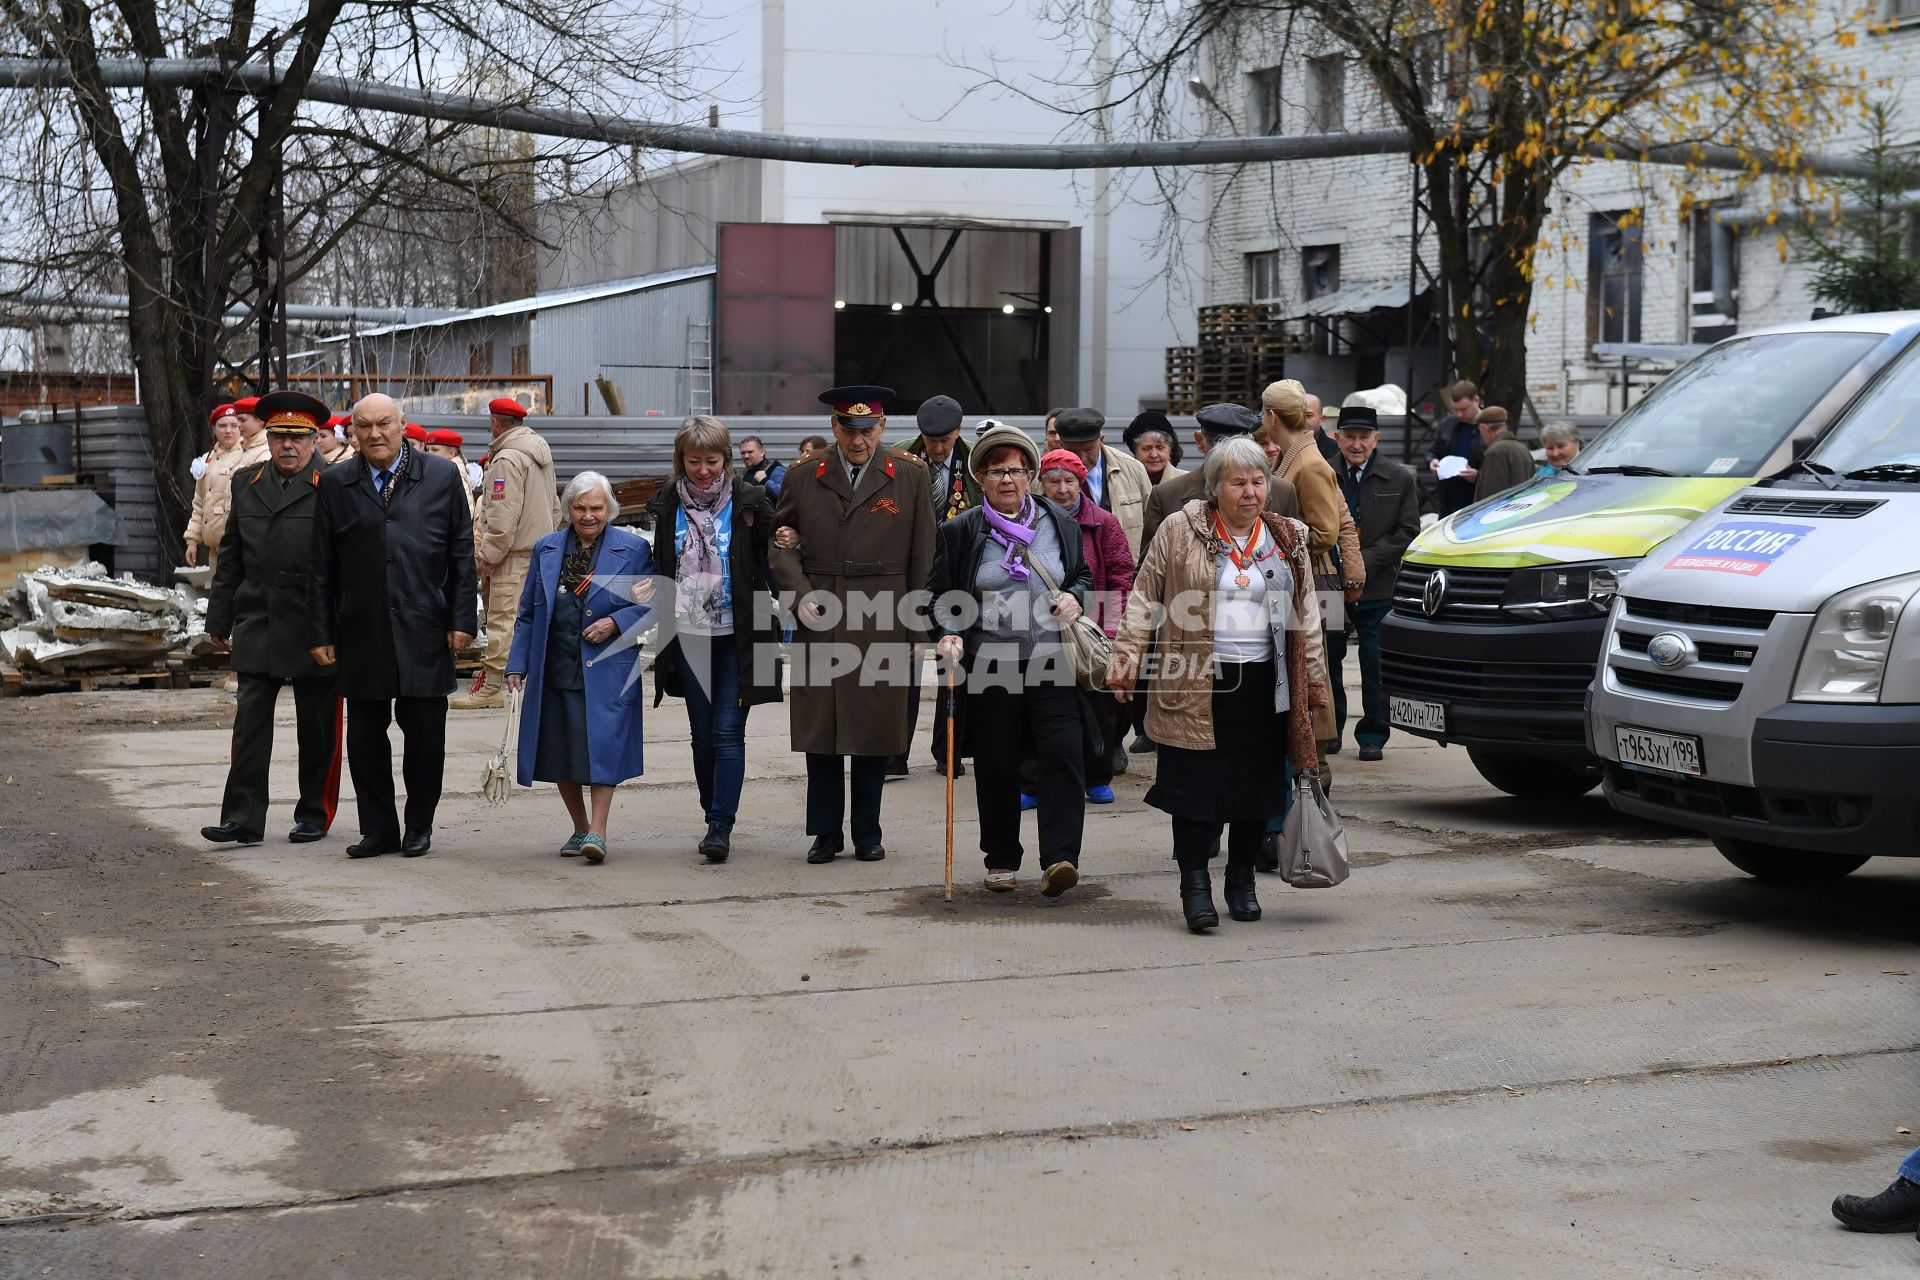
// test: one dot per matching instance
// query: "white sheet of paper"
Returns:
(1452, 465)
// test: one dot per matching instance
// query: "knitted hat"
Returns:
(999, 435)
(1064, 460)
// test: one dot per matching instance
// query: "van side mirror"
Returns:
(1803, 445)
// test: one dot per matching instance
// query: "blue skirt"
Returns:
(561, 755)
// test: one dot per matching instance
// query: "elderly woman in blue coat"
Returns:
(576, 652)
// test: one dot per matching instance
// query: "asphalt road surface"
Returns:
(1522, 1040)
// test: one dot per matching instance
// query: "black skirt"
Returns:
(1244, 777)
(561, 754)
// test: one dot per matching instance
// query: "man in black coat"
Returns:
(1384, 500)
(258, 608)
(391, 600)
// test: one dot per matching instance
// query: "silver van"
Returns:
(1760, 680)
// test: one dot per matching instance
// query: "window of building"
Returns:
(1900, 10)
(1263, 100)
(522, 359)
(1263, 276)
(1706, 322)
(1320, 270)
(1614, 265)
(479, 357)
(1326, 94)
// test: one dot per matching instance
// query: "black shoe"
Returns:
(1196, 900)
(415, 843)
(959, 769)
(719, 842)
(897, 767)
(1895, 1209)
(1268, 859)
(371, 847)
(1241, 902)
(1142, 745)
(870, 852)
(306, 833)
(825, 847)
(1334, 747)
(1371, 753)
(1117, 762)
(230, 833)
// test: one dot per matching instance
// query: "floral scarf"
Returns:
(701, 573)
(1015, 533)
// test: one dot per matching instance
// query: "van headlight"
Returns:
(1551, 592)
(1851, 646)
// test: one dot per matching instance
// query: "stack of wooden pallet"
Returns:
(1243, 346)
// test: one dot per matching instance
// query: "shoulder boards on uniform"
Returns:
(258, 471)
(822, 470)
(909, 456)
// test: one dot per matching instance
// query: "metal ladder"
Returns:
(699, 366)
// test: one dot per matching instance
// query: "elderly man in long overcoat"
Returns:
(391, 600)
(857, 552)
(258, 607)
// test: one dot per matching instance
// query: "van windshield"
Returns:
(1725, 412)
(1883, 428)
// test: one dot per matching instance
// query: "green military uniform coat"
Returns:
(962, 489)
(259, 595)
(868, 545)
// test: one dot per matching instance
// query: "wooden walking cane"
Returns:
(949, 782)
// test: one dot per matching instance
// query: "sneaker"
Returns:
(571, 849)
(1002, 881)
(594, 847)
(1099, 795)
(1060, 877)
(1028, 802)
(1895, 1209)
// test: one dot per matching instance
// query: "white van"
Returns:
(1760, 680)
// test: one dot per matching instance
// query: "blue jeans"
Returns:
(1910, 1167)
(1367, 615)
(710, 679)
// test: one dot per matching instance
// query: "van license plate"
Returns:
(1666, 752)
(1412, 713)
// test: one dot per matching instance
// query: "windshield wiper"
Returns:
(1820, 471)
(1629, 469)
(1887, 471)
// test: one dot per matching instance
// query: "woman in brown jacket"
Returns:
(1335, 541)
(1226, 597)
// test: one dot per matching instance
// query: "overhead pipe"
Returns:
(563, 122)
(119, 303)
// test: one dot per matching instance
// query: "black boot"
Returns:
(1196, 899)
(1895, 1209)
(1268, 859)
(719, 841)
(1241, 903)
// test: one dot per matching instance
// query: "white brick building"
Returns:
(1300, 231)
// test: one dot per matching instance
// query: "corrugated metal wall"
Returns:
(111, 447)
(666, 221)
(636, 340)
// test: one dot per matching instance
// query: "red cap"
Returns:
(1064, 460)
(339, 420)
(506, 407)
(246, 404)
(223, 411)
(415, 432)
(442, 436)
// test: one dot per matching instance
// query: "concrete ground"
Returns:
(1522, 1040)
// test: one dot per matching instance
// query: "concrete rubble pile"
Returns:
(64, 621)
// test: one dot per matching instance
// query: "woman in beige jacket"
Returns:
(1226, 599)
(213, 487)
(1335, 539)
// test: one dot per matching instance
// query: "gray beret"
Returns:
(1227, 420)
(938, 416)
(1080, 425)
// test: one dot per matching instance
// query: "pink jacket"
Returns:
(1104, 543)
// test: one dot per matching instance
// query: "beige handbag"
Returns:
(1088, 650)
(1313, 844)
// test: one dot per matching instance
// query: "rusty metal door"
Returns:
(774, 339)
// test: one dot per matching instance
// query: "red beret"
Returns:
(246, 404)
(506, 407)
(1064, 460)
(223, 411)
(451, 439)
(415, 432)
(340, 420)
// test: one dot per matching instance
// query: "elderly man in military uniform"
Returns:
(519, 505)
(856, 549)
(258, 606)
(954, 489)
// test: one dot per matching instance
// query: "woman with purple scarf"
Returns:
(995, 616)
(710, 532)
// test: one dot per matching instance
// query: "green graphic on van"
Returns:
(1571, 518)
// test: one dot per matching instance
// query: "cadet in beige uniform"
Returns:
(212, 488)
(856, 527)
(519, 505)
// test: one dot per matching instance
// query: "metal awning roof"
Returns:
(1355, 299)
(541, 301)
(1665, 352)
